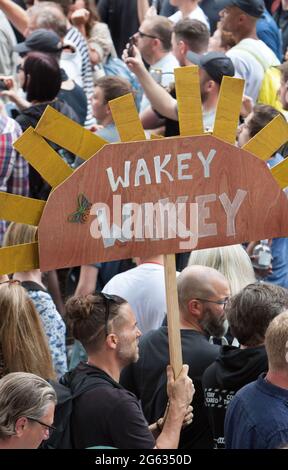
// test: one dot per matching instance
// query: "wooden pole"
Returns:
(173, 320)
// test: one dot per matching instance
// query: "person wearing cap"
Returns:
(251, 56)
(213, 66)
(47, 41)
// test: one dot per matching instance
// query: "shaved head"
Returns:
(199, 282)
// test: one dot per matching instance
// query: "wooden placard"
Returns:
(173, 318)
(237, 197)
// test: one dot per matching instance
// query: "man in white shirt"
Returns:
(251, 56)
(188, 9)
(144, 289)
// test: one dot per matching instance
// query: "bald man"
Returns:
(202, 294)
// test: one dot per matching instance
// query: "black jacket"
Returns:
(233, 369)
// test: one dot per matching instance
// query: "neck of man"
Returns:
(105, 362)
(284, 5)
(34, 276)
(106, 121)
(10, 442)
(153, 259)
(187, 7)
(210, 103)
(189, 324)
(245, 33)
(278, 378)
(158, 55)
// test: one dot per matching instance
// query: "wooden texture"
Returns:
(262, 214)
(269, 139)
(187, 85)
(126, 118)
(228, 109)
(175, 349)
(19, 258)
(280, 173)
(68, 134)
(42, 157)
(20, 209)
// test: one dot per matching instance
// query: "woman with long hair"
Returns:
(51, 319)
(23, 343)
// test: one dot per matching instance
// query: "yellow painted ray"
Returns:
(126, 119)
(280, 173)
(269, 139)
(187, 85)
(20, 209)
(228, 109)
(42, 157)
(19, 258)
(68, 134)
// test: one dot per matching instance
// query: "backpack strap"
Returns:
(256, 56)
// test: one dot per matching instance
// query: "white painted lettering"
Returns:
(159, 168)
(123, 182)
(205, 230)
(206, 162)
(231, 209)
(181, 167)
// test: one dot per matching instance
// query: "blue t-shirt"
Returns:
(268, 31)
(257, 417)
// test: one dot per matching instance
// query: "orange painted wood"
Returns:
(263, 213)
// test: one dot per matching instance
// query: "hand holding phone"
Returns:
(130, 47)
(3, 85)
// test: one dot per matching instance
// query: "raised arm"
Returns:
(159, 98)
(15, 14)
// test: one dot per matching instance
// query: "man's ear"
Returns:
(112, 341)
(195, 308)
(20, 426)
(183, 48)
(108, 110)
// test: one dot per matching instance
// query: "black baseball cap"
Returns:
(251, 7)
(40, 40)
(216, 64)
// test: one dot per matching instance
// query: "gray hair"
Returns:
(22, 394)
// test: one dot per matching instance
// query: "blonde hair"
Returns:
(22, 338)
(276, 342)
(232, 261)
(16, 234)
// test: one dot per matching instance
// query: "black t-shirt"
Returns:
(122, 19)
(110, 416)
(147, 379)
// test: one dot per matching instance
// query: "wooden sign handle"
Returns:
(175, 348)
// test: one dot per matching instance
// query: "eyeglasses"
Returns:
(108, 299)
(48, 427)
(19, 67)
(144, 35)
(223, 302)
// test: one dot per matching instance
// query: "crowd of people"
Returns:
(95, 337)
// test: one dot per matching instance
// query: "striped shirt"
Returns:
(14, 170)
(76, 38)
